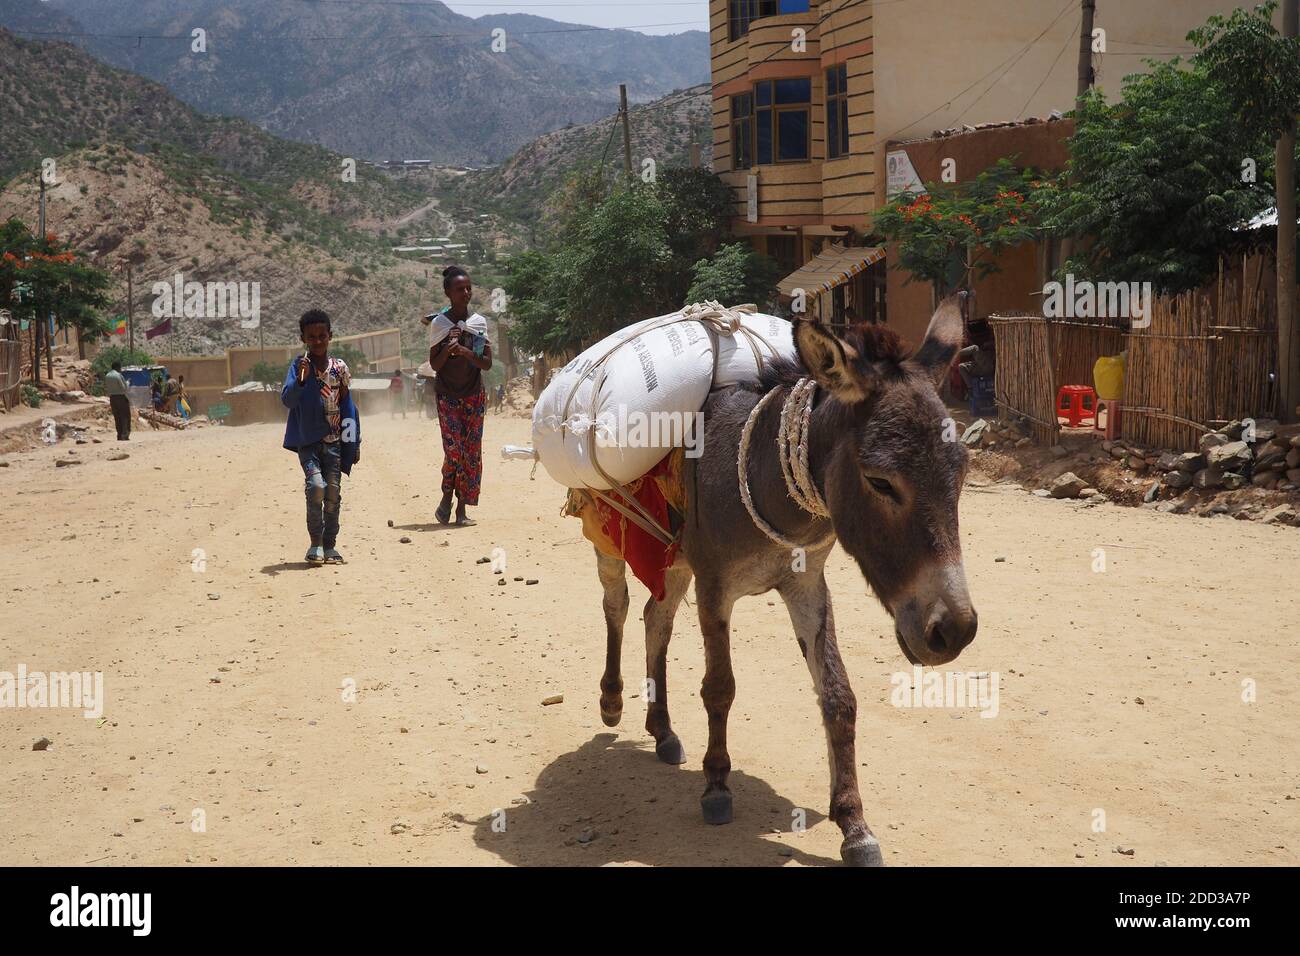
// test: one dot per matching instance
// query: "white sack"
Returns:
(652, 391)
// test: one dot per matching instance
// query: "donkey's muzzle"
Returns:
(950, 633)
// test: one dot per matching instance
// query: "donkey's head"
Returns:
(893, 474)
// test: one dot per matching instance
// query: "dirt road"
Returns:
(227, 662)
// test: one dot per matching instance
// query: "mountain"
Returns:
(122, 207)
(80, 101)
(520, 188)
(382, 80)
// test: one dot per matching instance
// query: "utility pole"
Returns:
(1085, 48)
(1288, 335)
(627, 131)
(130, 309)
(40, 320)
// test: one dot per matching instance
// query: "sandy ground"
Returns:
(450, 669)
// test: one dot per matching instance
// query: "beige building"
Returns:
(808, 93)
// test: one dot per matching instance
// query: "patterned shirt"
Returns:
(333, 378)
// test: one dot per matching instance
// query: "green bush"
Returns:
(30, 395)
(103, 361)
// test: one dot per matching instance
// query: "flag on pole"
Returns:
(162, 328)
(119, 327)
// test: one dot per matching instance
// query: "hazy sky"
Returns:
(629, 14)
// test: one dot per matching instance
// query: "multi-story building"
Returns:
(808, 95)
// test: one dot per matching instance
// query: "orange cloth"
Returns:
(662, 493)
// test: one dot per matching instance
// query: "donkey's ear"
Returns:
(830, 361)
(942, 340)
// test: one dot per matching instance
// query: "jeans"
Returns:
(322, 466)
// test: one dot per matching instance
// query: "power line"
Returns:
(1051, 69)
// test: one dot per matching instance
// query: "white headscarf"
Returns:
(440, 325)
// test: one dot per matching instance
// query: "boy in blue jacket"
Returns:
(324, 429)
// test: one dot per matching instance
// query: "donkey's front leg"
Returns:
(718, 691)
(614, 580)
(809, 604)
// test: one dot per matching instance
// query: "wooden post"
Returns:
(1288, 335)
(627, 131)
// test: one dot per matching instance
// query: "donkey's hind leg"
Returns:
(659, 617)
(614, 580)
(809, 603)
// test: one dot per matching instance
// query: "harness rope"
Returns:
(792, 452)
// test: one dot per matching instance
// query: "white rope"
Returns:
(792, 452)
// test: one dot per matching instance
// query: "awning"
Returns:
(834, 266)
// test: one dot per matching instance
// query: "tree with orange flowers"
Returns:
(951, 234)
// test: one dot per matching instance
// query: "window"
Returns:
(741, 13)
(782, 131)
(742, 131)
(837, 111)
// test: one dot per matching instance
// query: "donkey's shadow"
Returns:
(612, 801)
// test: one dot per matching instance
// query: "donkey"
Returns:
(877, 454)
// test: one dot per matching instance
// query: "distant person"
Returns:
(459, 354)
(182, 399)
(397, 392)
(170, 390)
(324, 428)
(501, 396)
(115, 388)
(977, 360)
(156, 392)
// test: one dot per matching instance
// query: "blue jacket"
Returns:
(307, 424)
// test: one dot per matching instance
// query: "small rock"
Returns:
(213, 596)
(999, 559)
(120, 456)
(483, 561)
(1139, 700)
(974, 431)
(586, 836)
(1067, 485)
(1233, 456)
(1189, 462)
(1136, 464)
(1177, 479)
(1210, 477)
(1282, 514)
(404, 540)
(1042, 493)
(1264, 479)
(1153, 492)
(42, 743)
(398, 828)
(1167, 462)
(1118, 451)
(480, 768)
(1232, 481)
(1089, 493)
(1213, 440)
(390, 522)
(64, 462)
(1124, 850)
(553, 699)
(531, 581)
(501, 580)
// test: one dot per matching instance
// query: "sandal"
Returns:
(443, 514)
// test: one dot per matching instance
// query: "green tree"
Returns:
(952, 233)
(105, 357)
(268, 373)
(736, 274)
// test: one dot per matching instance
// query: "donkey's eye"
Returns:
(883, 487)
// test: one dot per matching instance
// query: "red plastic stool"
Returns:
(1109, 418)
(1075, 403)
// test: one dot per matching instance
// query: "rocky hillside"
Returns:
(81, 102)
(520, 188)
(384, 80)
(124, 207)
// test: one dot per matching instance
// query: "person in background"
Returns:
(397, 392)
(977, 360)
(170, 391)
(459, 354)
(156, 392)
(115, 389)
(324, 428)
(182, 399)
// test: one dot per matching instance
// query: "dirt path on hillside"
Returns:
(177, 573)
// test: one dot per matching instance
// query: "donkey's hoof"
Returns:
(669, 750)
(611, 715)
(716, 807)
(864, 851)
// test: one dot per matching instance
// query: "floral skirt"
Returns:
(461, 420)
